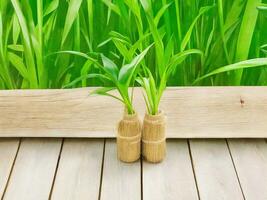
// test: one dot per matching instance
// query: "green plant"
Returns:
(154, 87)
(166, 61)
(121, 79)
(33, 30)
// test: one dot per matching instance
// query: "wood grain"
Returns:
(173, 178)
(79, 171)
(34, 170)
(198, 112)
(214, 170)
(250, 158)
(8, 150)
(120, 180)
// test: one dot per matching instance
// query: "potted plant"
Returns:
(129, 127)
(154, 124)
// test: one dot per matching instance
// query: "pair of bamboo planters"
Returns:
(134, 136)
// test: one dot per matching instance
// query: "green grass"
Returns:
(57, 43)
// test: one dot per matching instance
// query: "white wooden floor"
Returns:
(69, 169)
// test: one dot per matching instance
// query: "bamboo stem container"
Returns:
(129, 138)
(154, 138)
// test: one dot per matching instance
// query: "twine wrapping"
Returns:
(154, 138)
(129, 138)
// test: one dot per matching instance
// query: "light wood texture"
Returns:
(79, 171)
(214, 170)
(34, 170)
(8, 150)
(198, 112)
(250, 158)
(173, 178)
(120, 180)
(81, 175)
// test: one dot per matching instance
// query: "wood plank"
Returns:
(79, 171)
(8, 151)
(33, 172)
(214, 170)
(171, 179)
(250, 158)
(217, 112)
(120, 180)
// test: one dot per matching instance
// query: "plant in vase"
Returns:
(154, 136)
(129, 128)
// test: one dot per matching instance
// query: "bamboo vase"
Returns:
(129, 138)
(154, 138)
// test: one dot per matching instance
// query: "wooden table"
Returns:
(36, 169)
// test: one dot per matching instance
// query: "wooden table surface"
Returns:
(69, 169)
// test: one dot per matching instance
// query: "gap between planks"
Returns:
(34, 169)
(214, 170)
(9, 149)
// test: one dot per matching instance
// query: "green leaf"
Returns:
(159, 46)
(222, 31)
(16, 29)
(74, 6)
(110, 67)
(85, 70)
(240, 65)
(179, 58)
(245, 35)
(77, 54)
(16, 47)
(29, 54)
(17, 62)
(127, 71)
(112, 7)
(190, 30)
(104, 91)
(161, 13)
(84, 77)
(53, 5)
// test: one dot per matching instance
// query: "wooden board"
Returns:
(34, 170)
(198, 112)
(214, 170)
(120, 180)
(173, 178)
(79, 172)
(250, 158)
(8, 151)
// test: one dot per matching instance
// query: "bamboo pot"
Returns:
(154, 138)
(129, 138)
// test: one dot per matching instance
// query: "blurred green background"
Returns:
(43, 42)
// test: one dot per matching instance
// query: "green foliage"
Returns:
(121, 78)
(52, 43)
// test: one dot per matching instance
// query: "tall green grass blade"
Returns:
(53, 5)
(178, 20)
(187, 36)
(74, 6)
(4, 70)
(245, 35)
(222, 31)
(16, 29)
(29, 54)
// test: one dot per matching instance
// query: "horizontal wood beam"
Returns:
(192, 112)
